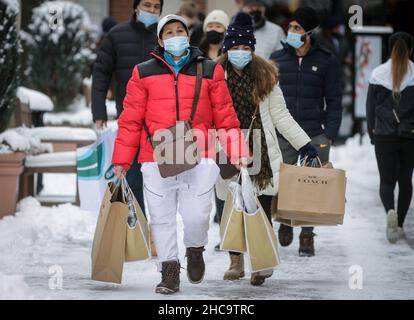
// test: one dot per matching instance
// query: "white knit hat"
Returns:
(218, 16)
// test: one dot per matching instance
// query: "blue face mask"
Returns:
(176, 46)
(295, 40)
(240, 58)
(147, 18)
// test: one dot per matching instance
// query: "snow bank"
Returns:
(60, 223)
(19, 139)
(30, 234)
(36, 100)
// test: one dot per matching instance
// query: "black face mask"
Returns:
(257, 16)
(214, 37)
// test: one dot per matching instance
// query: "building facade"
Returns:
(121, 10)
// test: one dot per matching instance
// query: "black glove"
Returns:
(308, 151)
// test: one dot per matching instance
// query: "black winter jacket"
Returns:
(125, 46)
(382, 122)
(312, 89)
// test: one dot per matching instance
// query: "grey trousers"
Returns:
(290, 155)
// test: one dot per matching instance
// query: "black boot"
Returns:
(195, 265)
(285, 235)
(170, 282)
(307, 247)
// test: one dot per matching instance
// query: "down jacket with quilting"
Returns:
(312, 89)
(153, 95)
(125, 46)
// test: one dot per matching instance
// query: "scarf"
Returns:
(177, 65)
(241, 88)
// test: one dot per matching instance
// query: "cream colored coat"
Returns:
(274, 114)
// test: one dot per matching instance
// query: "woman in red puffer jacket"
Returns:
(161, 91)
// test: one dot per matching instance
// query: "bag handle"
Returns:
(199, 82)
(314, 164)
(126, 190)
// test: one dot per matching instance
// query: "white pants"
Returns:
(189, 193)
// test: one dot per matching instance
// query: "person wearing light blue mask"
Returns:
(148, 18)
(125, 45)
(148, 11)
(311, 79)
(240, 58)
(258, 101)
(297, 40)
(178, 84)
(173, 37)
(301, 28)
(177, 45)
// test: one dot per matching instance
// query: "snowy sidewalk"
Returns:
(39, 238)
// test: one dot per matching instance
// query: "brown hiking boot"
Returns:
(236, 269)
(195, 265)
(258, 278)
(307, 248)
(170, 282)
(285, 235)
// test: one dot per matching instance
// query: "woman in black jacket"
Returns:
(390, 113)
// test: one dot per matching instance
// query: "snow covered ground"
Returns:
(41, 243)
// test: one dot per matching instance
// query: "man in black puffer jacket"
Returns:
(311, 81)
(125, 46)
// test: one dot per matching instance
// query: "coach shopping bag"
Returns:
(293, 223)
(310, 194)
(108, 249)
(232, 225)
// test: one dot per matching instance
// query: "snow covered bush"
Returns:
(58, 47)
(9, 60)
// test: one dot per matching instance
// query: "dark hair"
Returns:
(265, 75)
(137, 2)
(108, 23)
(401, 45)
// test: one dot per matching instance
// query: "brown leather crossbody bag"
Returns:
(176, 147)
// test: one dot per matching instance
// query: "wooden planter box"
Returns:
(11, 167)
